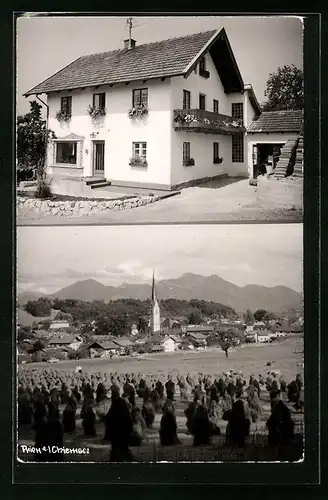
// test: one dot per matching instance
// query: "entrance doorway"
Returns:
(265, 157)
(98, 158)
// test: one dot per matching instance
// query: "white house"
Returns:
(67, 341)
(163, 113)
(169, 344)
(159, 115)
(262, 336)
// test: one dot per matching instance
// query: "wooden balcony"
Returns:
(206, 122)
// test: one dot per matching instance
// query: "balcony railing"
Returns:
(206, 122)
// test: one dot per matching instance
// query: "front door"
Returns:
(98, 158)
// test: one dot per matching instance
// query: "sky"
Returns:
(50, 258)
(47, 44)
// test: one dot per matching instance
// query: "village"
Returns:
(58, 339)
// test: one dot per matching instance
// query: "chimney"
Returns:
(129, 44)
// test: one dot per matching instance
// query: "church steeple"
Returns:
(155, 322)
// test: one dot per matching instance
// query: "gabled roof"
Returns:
(106, 345)
(200, 328)
(67, 339)
(164, 59)
(278, 121)
(197, 336)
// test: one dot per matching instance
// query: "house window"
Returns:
(139, 150)
(66, 152)
(237, 110)
(140, 98)
(238, 148)
(66, 105)
(186, 152)
(215, 106)
(99, 100)
(186, 99)
(202, 101)
(215, 152)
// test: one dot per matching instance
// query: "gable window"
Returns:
(99, 100)
(66, 152)
(140, 98)
(238, 148)
(237, 110)
(186, 99)
(185, 152)
(215, 152)
(66, 105)
(202, 101)
(202, 65)
(215, 106)
(202, 68)
(139, 150)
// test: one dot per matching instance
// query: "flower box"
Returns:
(138, 112)
(189, 163)
(218, 160)
(135, 161)
(95, 111)
(63, 116)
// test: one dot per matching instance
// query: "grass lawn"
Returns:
(286, 355)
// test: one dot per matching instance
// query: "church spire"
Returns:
(153, 290)
(155, 321)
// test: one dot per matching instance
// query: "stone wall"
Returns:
(81, 207)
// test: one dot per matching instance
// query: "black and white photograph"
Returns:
(159, 119)
(164, 343)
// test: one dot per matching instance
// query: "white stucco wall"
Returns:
(258, 138)
(201, 145)
(196, 84)
(119, 131)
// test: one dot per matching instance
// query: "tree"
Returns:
(33, 137)
(248, 317)
(195, 318)
(38, 345)
(38, 308)
(142, 325)
(227, 341)
(259, 314)
(284, 89)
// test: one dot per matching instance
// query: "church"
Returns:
(155, 319)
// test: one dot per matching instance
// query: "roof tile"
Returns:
(152, 60)
(277, 121)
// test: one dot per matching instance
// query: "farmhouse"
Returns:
(102, 348)
(59, 324)
(169, 344)
(178, 109)
(263, 336)
(68, 341)
(197, 339)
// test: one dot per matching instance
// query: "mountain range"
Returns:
(188, 286)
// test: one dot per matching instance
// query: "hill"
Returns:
(191, 286)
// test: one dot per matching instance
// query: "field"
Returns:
(286, 356)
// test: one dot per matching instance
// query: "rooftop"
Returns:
(278, 121)
(164, 59)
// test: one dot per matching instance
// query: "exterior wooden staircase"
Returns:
(299, 159)
(286, 160)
